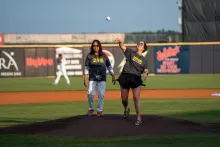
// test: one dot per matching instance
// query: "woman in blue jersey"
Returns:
(96, 64)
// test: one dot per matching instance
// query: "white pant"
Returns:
(62, 70)
(100, 87)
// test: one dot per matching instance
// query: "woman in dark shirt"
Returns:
(134, 68)
(95, 76)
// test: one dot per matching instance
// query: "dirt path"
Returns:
(62, 96)
(112, 125)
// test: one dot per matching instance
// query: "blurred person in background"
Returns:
(62, 70)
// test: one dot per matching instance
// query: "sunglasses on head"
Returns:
(95, 45)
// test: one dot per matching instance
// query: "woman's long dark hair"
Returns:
(100, 47)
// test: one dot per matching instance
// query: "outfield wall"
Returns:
(175, 58)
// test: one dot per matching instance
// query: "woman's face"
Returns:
(140, 46)
(95, 47)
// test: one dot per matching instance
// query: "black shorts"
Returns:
(128, 81)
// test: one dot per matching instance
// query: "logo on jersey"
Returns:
(111, 58)
(98, 60)
(122, 63)
(137, 60)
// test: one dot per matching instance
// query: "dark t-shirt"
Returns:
(135, 64)
(97, 66)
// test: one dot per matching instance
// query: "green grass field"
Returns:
(149, 141)
(211, 81)
(199, 110)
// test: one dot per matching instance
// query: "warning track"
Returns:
(63, 96)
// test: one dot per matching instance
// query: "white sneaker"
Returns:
(54, 83)
(68, 84)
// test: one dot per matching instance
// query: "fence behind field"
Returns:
(163, 58)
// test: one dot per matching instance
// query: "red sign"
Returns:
(1, 39)
(168, 57)
(167, 52)
(39, 62)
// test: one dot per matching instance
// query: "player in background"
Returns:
(62, 69)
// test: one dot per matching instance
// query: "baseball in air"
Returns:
(108, 18)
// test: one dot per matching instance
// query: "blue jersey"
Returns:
(97, 66)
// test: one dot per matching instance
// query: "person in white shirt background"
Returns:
(62, 69)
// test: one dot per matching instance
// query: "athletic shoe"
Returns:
(138, 123)
(90, 112)
(54, 83)
(126, 113)
(99, 113)
(68, 84)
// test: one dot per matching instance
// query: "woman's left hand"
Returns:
(113, 80)
(145, 74)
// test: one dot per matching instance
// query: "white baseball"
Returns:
(108, 18)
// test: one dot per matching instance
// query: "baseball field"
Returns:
(177, 110)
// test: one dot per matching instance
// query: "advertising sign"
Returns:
(110, 57)
(39, 62)
(171, 59)
(11, 62)
(74, 60)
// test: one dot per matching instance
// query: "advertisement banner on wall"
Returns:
(110, 57)
(74, 60)
(110, 53)
(1, 39)
(11, 62)
(39, 62)
(171, 59)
